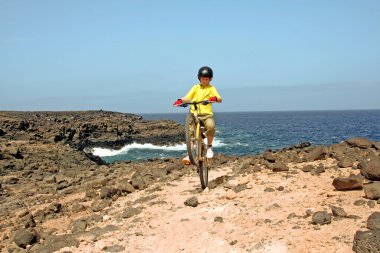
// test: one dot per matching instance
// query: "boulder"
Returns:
(321, 218)
(359, 142)
(346, 184)
(316, 153)
(25, 237)
(371, 169)
(346, 162)
(373, 221)
(366, 242)
(372, 191)
(2, 132)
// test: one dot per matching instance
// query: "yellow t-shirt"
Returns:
(200, 93)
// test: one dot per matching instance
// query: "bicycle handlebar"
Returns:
(204, 102)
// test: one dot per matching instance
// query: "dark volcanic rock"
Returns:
(321, 217)
(99, 205)
(125, 186)
(218, 181)
(138, 181)
(346, 184)
(2, 132)
(372, 191)
(193, 202)
(114, 248)
(107, 192)
(54, 243)
(373, 221)
(279, 166)
(78, 226)
(371, 169)
(367, 242)
(316, 153)
(307, 168)
(25, 237)
(269, 156)
(359, 142)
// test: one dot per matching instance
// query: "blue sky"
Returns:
(139, 56)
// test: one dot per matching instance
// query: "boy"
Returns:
(203, 91)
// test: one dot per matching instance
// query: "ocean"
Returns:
(250, 133)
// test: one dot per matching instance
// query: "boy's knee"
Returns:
(210, 126)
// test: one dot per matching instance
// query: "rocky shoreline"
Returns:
(54, 196)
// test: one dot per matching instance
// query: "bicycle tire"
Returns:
(191, 142)
(203, 169)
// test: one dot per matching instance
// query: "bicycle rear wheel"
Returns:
(191, 142)
(203, 168)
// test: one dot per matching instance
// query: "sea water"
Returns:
(243, 133)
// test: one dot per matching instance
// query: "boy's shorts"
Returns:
(209, 123)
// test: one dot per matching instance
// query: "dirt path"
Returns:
(266, 212)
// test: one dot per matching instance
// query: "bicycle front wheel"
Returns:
(203, 168)
(191, 142)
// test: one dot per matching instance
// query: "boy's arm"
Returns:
(216, 94)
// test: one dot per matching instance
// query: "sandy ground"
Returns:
(254, 220)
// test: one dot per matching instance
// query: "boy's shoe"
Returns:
(186, 160)
(210, 153)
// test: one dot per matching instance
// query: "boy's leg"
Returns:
(210, 129)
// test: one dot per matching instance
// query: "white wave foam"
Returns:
(102, 152)
(124, 150)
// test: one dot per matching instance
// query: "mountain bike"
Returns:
(196, 146)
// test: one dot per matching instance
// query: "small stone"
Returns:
(307, 168)
(269, 189)
(321, 217)
(371, 203)
(233, 242)
(372, 191)
(373, 221)
(280, 188)
(114, 248)
(130, 211)
(193, 202)
(338, 211)
(99, 205)
(107, 192)
(79, 225)
(218, 219)
(230, 194)
(359, 202)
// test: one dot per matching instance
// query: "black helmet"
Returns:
(205, 72)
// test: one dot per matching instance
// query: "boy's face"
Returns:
(205, 80)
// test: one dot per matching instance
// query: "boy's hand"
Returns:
(213, 99)
(178, 102)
